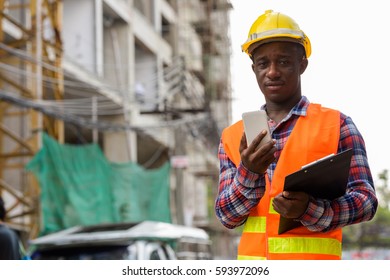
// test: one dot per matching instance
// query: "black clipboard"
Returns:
(326, 178)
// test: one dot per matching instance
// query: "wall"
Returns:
(79, 32)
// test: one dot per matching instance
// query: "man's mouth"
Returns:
(274, 85)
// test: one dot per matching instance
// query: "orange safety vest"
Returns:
(314, 136)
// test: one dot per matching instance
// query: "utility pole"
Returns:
(179, 174)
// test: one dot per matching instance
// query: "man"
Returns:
(252, 178)
(9, 240)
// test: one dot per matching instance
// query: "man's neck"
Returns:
(278, 111)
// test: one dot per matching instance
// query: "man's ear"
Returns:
(304, 64)
(253, 67)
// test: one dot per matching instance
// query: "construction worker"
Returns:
(252, 178)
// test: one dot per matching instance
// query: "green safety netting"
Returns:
(79, 186)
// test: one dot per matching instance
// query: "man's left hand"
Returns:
(291, 204)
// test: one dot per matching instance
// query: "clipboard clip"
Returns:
(316, 161)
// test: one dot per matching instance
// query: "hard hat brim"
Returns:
(252, 44)
(255, 45)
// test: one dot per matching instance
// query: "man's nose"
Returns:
(273, 71)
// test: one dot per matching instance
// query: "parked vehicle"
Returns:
(146, 240)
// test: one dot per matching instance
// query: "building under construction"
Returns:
(145, 81)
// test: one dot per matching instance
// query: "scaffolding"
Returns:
(30, 49)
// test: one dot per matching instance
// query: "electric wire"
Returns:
(82, 106)
(89, 123)
(176, 79)
(174, 71)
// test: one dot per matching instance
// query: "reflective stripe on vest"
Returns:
(255, 224)
(304, 245)
(314, 136)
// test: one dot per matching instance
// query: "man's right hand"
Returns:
(257, 159)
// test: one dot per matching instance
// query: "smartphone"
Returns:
(254, 123)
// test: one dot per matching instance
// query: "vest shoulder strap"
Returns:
(231, 138)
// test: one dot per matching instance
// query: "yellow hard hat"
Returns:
(273, 26)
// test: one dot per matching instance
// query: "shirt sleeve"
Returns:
(239, 191)
(360, 203)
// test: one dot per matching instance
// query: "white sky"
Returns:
(347, 68)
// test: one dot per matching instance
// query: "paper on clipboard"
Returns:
(326, 178)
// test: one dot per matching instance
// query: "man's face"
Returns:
(278, 67)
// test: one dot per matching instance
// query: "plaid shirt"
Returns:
(240, 189)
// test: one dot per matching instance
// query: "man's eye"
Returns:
(283, 62)
(261, 65)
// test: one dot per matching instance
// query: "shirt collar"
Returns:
(300, 109)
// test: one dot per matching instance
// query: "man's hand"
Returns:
(257, 159)
(291, 204)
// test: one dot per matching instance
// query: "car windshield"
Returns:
(85, 253)
(139, 250)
